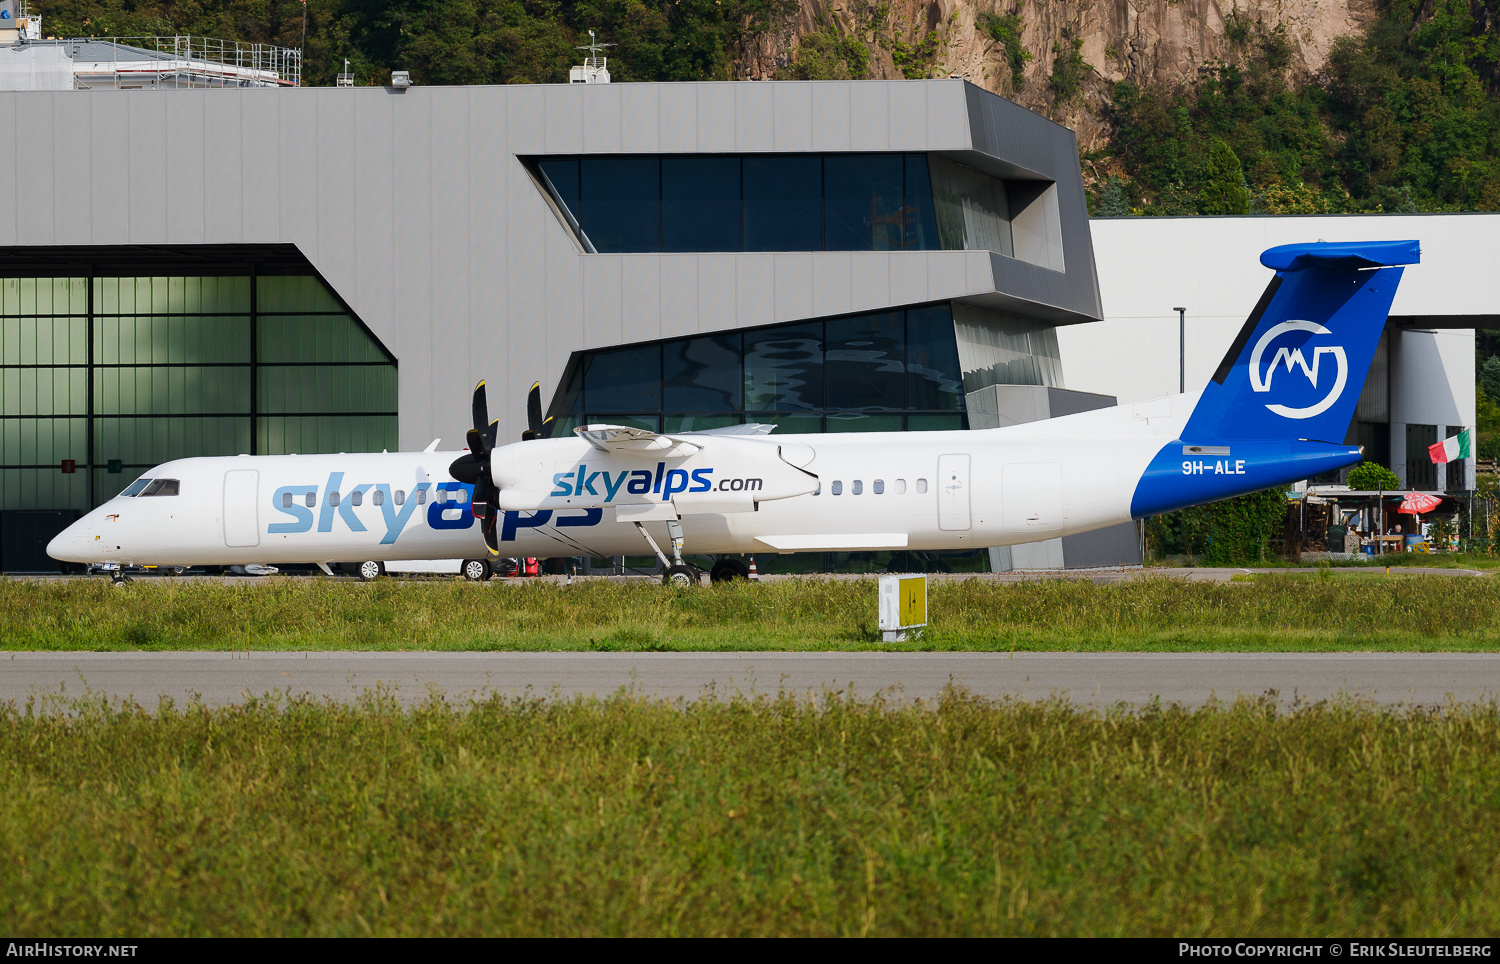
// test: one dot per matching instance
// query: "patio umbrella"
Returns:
(1417, 503)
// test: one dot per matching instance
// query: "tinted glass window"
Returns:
(921, 221)
(621, 203)
(865, 367)
(934, 381)
(623, 381)
(784, 369)
(135, 488)
(562, 177)
(702, 374)
(782, 201)
(862, 203)
(700, 203)
(161, 487)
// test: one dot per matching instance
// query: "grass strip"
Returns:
(748, 817)
(1324, 612)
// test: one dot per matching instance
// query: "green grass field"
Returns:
(739, 817)
(1321, 612)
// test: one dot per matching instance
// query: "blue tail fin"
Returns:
(1297, 367)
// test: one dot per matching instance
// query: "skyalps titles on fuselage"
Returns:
(1275, 411)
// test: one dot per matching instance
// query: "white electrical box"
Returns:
(903, 607)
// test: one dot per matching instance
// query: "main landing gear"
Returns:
(676, 572)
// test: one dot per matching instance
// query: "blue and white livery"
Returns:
(1277, 410)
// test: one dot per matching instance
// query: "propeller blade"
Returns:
(548, 426)
(534, 410)
(465, 469)
(481, 407)
(494, 433)
(476, 442)
(482, 492)
(488, 528)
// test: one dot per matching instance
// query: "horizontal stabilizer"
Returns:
(1378, 254)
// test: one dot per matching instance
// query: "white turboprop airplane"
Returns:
(1277, 410)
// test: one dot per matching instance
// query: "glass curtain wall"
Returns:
(103, 377)
(1002, 349)
(881, 372)
(705, 203)
(973, 212)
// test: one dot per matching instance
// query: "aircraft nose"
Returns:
(69, 544)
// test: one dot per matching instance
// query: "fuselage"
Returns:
(766, 494)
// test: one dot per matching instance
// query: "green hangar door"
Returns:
(241, 508)
(953, 492)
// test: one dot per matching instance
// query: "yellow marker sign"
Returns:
(913, 596)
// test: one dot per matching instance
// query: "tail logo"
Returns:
(1291, 357)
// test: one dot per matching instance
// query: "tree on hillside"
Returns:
(1225, 192)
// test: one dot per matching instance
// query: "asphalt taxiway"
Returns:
(1097, 680)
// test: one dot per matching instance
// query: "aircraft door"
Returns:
(241, 508)
(1031, 498)
(953, 492)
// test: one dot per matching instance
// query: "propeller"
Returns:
(536, 426)
(474, 467)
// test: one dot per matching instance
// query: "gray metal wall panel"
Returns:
(526, 358)
(563, 115)
(906, 119)
(451, 239)
(869, 113)
(716, 283)
(947, 115)
(223, 168)
(10, 180)
(870, 281)
(422, 388)
(640, 297)
(373, 176)
(70, 178)
(794, 296)
(261, 161)
(563, 324)
(336, 181)
(301, 172)
(979, 273)
(185, 172)
(831, 290)
(947, 271)
(602, 325)
(490, 165)
(908, 277)
(715, 118)
(791, 116)
(640, 118)
(830, 116)
(603, 117)
(753, 117)
(679, 295)
(148, 168)
(679, 111)
(109, 179)
(755, 296)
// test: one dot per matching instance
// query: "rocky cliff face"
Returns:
(1092, 43)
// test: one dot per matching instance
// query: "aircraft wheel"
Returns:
(120, 580)
(728, 570)
(681, 577)
(177, 570)
(370, 569)
(476, 570)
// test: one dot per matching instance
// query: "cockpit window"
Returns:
(161, 487)
(135, 488)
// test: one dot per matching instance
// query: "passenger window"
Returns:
(878, 486)
(311, 499)
(921, 486)
(161, 487)
(400, 496)
(135, 488)
(838, 488)
(900, 486)
(421, 497)
(819, 489)
(378, 497)
(286, 500)
(856, 487)
(333, 498)
(356, 497)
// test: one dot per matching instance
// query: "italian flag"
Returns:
(1457, 447)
